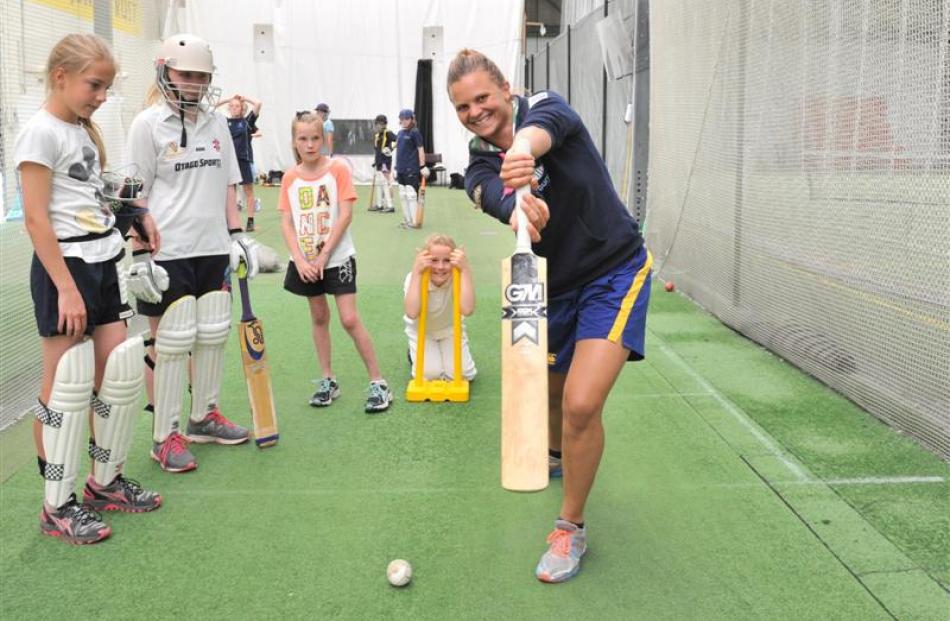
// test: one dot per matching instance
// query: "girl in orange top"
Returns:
(316, 205)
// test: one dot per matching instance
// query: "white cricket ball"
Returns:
(399, 573)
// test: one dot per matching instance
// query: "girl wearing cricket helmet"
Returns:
(189, 169)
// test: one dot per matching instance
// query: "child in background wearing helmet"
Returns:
(410, 166)
(384, 141)
(189, 170)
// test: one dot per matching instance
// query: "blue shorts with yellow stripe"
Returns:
(612, 307)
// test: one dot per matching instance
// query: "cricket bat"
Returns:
(420, 212)
(372, 190)
(260, 393)
(524, 361)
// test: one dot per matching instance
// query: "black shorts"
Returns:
(409, 178)
(383, 162)
(98, 284)
(247, 174)
(336, 280)
(193, 276)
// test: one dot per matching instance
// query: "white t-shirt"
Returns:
(439, 315)
(75, 206)
(314, 206)
(186, 187)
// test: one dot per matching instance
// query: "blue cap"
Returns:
(406, 113)
(322, 107)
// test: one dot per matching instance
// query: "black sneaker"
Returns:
(378, 397)
(121, 495)
(250, 225)
(327, 391)
(74, 523)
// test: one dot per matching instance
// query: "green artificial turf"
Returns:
(730, 486)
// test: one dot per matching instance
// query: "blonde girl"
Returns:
(316, 205)
(439, 256)
(77, 293)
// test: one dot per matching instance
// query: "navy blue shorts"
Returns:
(338, 280)
(247, 171)
(383, 162)
(193, 276)
(98, 284)
(612, 307)
(407, 178)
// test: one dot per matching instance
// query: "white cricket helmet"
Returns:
(185, 52)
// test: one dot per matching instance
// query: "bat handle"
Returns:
(521, 145)
(246, 313)
(524, 239)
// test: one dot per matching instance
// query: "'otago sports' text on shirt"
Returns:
(186, 187)
(314, 206)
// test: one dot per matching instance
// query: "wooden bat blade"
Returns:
(524, 373)
(260, 392)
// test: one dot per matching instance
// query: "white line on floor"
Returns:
(736, 412)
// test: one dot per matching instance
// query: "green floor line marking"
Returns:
(817, 536)
(733, 409)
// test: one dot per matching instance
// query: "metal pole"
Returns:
(641, 112)
(603, 99)
(740, 155)
(568, 63)
(547, 67)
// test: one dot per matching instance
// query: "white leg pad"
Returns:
(173, 341)
(63, 421)
(387, 191)
(408, 204)
(373, 183)
(116, 409)
(214, 325)
(412, 201)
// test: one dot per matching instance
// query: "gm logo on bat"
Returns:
(519, 295)
(526, 307)
(254, 339)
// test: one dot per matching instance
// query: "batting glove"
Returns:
(244, 248)
(146, 280)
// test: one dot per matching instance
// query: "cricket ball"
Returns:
(399, 573)
(669, 286)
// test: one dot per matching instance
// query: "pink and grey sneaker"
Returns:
(121, 495)
(567, 543)
(173, 454)
(218, 429)
(74, 523)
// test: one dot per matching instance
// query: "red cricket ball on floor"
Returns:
(669, 285)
